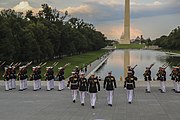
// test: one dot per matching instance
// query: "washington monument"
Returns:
(127, 23)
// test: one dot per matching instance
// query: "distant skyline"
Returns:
(151, 18)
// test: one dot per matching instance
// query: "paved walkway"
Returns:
(58, 105)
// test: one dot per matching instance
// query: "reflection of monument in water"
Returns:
(126, 61)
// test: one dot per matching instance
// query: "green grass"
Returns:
(173, 51)
(76, 60)
(130, 46)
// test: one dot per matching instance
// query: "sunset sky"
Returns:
(151, 18)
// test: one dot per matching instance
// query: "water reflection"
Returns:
(117, 63)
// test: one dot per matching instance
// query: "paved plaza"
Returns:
(58, 105)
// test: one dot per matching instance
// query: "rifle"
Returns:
(134, 67)
(55, 64)
(28, 64)
(66, 65)
(2, 63)
(166, 65)
(43, 64)
(151, 65)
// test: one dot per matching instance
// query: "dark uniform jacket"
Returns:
(173, 74)
(61, 75)
(109, 83)
(22, 74)
(73, 83)
(83, 84)
(39, 73)
(129, 83)
(161, 75)
(6, 75)
(178, 77)
(49, 75)
(147, 75)
(34, 75)
(93, 85)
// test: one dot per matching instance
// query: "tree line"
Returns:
(46, 35)
(172, 41)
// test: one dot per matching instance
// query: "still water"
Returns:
(143, 58)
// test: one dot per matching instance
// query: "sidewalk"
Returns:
(58, 105)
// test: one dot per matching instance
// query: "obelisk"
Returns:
(127, 23)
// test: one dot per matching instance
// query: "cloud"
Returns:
(82, 9)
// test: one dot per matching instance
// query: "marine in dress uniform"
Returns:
(61, 78)
(73, 84)
(109, 85)
(129, 84)
(22, 75)
(147, 78)
(34, 77)
(93, 88)
(10, 77)
(173, 77)
(83, 86)
(39, 77)
(77, 71)
(13, 72)
(177, 79)
(161, 76)
(6, 78)
(50, 78)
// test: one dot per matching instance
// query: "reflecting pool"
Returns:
(119, 59)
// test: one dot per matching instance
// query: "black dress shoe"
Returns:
(34, 90)
(129, 102)
(74, 101)
(10, 89)
(148, 92)
(173, 89)
(110, 105)
(20, 90)
(93, 107)
(48, 90)
(59, 90)
(82, 104)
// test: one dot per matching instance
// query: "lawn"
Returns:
(76, 60)
(130, 46)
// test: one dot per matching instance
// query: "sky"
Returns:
(150, 18)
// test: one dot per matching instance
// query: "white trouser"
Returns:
(93, 99)
(148, 86)
(82, 96)
(39, 84)
(21, 84)
(74, 94)
(48, 85)
(25, 83)
(178, 86)
(13, 83)
(6, 83)
(110, 96)
(61, 86)
(174, 85)
(52, 83)
(10, 83)
(35, 84)
(130, 95)
(163, 86)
